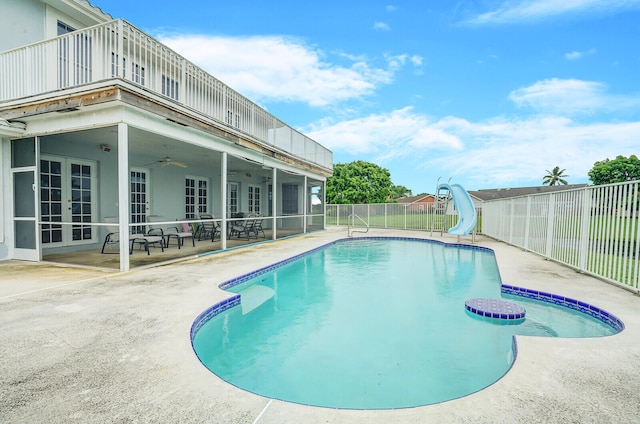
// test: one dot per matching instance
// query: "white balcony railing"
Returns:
(119, 50)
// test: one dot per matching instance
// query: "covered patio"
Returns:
(183, 184)
(123, 129)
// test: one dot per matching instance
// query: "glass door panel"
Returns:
(51, 201)
(81, 206)
(203, 196)
(232, 199)
(139, 199)
(24, 215)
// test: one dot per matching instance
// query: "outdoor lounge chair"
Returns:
(208, 228)
(257, 226)
(243, 227)
(145, 240)
(113, 234)
(113, 237)
(158, 227)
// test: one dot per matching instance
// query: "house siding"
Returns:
(22, 23)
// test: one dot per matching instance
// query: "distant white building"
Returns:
(98, 119)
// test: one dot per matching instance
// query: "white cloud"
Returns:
(502, 151)
(570, 96)
(391, 8)
(273, 68)
(384, 136)
(416, 60)
(381, 26)
(575, 55)
(495, 152)
(536, 10)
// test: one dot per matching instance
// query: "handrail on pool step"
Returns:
(352, 218)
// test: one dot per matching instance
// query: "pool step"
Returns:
(496, 309)
(254, 296)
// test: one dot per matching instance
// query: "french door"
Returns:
(233, 190)
(139, 192)
(196, 196)
(254, 200)
(68, 190)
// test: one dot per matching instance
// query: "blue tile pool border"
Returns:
(566, 302)
(211, 312)
(593, 311)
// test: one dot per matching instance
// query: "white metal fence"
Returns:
(594, 230)
(117, 49)
(392, 215)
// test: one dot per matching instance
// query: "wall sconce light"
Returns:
(105, 148)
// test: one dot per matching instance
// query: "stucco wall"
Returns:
(22, 23)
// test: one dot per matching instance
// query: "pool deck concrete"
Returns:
(79, 345)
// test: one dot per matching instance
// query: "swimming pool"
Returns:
(377, 323)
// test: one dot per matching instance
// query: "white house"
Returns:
(99, 120)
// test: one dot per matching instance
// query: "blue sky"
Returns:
(489, 93)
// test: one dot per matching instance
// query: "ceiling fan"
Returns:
(169, 161)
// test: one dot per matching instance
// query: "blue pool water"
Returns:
(374, 324)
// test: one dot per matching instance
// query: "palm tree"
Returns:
(555, 177)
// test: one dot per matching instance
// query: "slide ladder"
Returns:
(439, 210)
(467, 216)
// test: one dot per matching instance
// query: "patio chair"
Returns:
(113, 234)
(113, 237)
(167, 232)
(243, 227)
(145, 239)
(257, 226)
(208, 228)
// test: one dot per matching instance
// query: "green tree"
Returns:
(398, 191)
(358, 182)
(555, 177)
(618, 170)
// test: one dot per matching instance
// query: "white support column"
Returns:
(223, 194)
(38, 214)
(274, 204)
(304, 206)
(123, 194)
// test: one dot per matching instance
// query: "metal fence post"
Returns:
(511, 219)
(585, 226)
(527, 224)
(551, 214)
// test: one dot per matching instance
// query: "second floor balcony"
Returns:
(118, 51)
